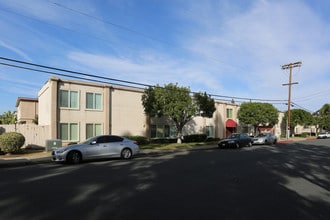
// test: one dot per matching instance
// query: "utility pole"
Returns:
(289, 66)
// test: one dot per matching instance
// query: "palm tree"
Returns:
(8, 118)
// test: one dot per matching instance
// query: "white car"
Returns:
(265, 138)
(323, 135)
(102, 146)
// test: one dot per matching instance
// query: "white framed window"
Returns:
(229, 113)
(93, 130)
(69, 131)
(93, 101)
(162, 131)
(68, 99)
(209, 131)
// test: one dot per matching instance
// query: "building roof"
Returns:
(19, 99)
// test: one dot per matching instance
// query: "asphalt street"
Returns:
(285, 181)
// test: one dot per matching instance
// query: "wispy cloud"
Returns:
(15, 50)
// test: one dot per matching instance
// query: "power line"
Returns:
(73, 72)
(140, 85)
(117, 26)
(299, 106)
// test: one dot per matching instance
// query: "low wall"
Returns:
(34, 134)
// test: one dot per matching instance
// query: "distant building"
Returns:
(27, 110)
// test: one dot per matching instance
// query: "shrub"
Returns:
(163, 140)
(140, 139)
(194, 138)
(11, 142)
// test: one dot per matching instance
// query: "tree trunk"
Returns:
(179, 134)
(179, 137)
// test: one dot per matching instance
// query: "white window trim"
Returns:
(69, 123)
(69, 99)
(94, 103)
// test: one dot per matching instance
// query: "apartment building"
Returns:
(76, 110)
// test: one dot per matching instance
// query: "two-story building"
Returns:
(76, 110)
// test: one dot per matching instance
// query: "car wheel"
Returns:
(74, 157)
(126, 153)
(275, 141)
(250, 144)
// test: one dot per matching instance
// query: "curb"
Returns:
(16, 162)
(23, 162)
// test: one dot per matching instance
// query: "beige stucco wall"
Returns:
(27, 109)
(81, 115)
(45, 103)
(127, 113)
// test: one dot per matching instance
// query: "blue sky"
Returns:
(225, 47)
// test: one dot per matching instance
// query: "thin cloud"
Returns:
(15, 50)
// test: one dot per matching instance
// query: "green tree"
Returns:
(205, 104)
(8, 118)
(298, 117)
(323, 117)
(257, 114)
(174, 102)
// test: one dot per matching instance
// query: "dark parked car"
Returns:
(265, 138)
(103, 146)
(236, 140)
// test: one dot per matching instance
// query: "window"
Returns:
(229, 113)
(162, 131)
(109, 139)
(93, 130)
(69, 131)
(68, 99)
(209, 131)
(153, 131)
(93, 101)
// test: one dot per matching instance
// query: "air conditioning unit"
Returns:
(53, 144)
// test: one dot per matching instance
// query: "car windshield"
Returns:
(261, 135)
(88, 140)
(233, 136)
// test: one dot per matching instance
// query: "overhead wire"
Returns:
(275, 101)
(120, 82)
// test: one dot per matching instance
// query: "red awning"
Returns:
(231, 123)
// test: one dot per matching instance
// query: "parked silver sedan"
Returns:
(102, 146)
(265, 138)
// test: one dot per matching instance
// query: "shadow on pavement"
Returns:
(287, 181)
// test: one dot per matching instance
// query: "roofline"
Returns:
(19, 99)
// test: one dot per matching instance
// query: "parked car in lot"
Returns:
(265, 138)
(236, 140)
(323, 135)
(102, 146)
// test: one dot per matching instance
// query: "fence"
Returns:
(34, 134)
